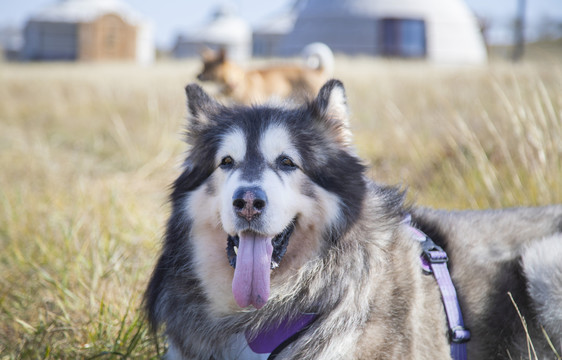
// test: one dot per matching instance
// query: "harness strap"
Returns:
(458, 334)
(272, 340)
(434, 261)
(286, 343)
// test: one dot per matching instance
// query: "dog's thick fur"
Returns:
(275, 81)
(350, 259)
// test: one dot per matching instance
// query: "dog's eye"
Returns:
(286, 163)
(227, 162)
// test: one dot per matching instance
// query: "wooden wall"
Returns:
(107, 38)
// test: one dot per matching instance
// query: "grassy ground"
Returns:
(87, 153)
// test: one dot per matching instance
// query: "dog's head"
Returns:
(266, 189)
(214, 65)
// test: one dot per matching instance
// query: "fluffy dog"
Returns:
(277, 236)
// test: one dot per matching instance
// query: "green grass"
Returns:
(87, 154)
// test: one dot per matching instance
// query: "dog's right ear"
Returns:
(200, 106)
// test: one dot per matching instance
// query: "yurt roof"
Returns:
(278, 24)
(225, 26)
(452, 9)
(85, 11)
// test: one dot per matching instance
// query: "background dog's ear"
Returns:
(207, 54)
(331, 107)
(200, 106)
(221, 57)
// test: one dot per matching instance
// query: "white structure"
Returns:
(443, 31)
(11, 42)
(89, 30)
(270, 32)
(226, 30)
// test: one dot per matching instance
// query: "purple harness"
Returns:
(434, 261)
(272, 340)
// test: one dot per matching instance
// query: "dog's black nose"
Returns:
(249, 202)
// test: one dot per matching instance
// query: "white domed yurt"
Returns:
(88, 30)
(443, 31)
(226, 30)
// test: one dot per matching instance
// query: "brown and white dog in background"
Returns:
(294, 81)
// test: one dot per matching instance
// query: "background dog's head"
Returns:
(214, 65)
(270, 184)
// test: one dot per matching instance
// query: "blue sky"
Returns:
(173, 16)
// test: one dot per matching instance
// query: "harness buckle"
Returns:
(433, 252)
(459, 335)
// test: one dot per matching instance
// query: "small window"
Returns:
(402, 37)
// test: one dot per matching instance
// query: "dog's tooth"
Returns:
(235, 249)
(274, 265)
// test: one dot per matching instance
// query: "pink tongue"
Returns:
(250, 285)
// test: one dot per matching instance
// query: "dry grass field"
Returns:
(87, 154)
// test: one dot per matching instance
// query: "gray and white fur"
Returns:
(350, 259)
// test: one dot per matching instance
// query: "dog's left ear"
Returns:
(331, 107)
(200, 106)
(207, 54)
